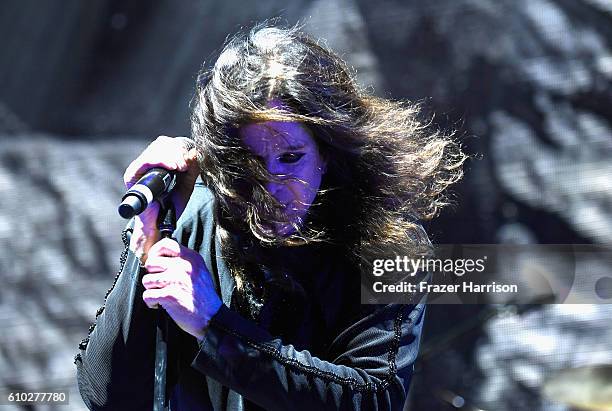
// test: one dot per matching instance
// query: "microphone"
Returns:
(155, 184)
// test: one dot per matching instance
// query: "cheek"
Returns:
(306, 191)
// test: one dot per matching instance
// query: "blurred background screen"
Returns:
(85, 85)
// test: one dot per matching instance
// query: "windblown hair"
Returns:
(386, 170)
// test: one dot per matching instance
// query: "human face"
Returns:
(288, 151)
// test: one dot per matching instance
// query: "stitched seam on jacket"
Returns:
(122, 260)
(374, 386)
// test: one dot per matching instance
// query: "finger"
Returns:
(165, 152)
(155, 297)
(161, 280)
(157, 264)
(166, 247)
(139, 167)
(176, 267)
(173, 148)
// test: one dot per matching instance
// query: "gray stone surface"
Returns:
(526, 82)
(60, 241)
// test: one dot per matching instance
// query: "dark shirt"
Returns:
(313, 348)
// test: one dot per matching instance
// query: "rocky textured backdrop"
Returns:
(527, 83)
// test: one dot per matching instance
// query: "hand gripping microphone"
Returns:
(155, 184)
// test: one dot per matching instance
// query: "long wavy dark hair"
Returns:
(387, 171)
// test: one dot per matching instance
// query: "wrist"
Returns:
(142, 240)
(216, 306)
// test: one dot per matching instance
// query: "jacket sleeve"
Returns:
(115, 362)
(371, 371)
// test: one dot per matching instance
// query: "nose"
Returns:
(275, 188)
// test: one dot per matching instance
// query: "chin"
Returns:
(284, 229)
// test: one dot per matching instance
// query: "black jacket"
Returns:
(364, 364)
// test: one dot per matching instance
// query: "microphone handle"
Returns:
(167, 225)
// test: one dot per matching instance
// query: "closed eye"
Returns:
(290, 158)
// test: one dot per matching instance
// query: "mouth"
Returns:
(291, 205)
